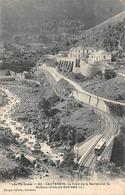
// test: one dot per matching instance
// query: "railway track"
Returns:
(57, 76)
(89, 160)
(111, 125)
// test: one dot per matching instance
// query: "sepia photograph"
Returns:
(62, 97)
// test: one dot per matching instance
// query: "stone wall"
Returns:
(93, 101)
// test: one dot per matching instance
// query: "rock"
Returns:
(45, 160)
(51, 163)
(16, 135)
(22, 118)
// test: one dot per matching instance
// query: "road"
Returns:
(89, 158)
(57, 76)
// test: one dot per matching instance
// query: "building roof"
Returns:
(73, 49)
(100, 143)
(89, 48)
(101, 52)
(63, 52)
(80, 48)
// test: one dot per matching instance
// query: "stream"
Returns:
(18, 128)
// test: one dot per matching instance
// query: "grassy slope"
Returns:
(70, 113)
(111, 89)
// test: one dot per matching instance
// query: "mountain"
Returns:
(50, 19)
(109, 34)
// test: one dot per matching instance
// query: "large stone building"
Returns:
(89, 50)
(99, 56)
(84, 61)
(76, 53)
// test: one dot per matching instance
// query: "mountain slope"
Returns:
(56, 16)
(108, 35)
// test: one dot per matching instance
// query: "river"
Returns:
(18, 128)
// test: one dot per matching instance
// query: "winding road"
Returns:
(57, 76)
(111, 125)
(89, 158)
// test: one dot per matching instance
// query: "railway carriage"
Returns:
(100, 147)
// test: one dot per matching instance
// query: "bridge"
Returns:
(85, 151)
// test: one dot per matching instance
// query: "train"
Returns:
(100, 147)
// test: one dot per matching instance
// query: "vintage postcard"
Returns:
(62, 97)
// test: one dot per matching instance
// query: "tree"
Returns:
(80, 137)
(116, 109)
(109, 168)
(110, 74)
(69, 158)
(45, 104)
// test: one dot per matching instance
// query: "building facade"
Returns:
(76, 53)
(83, 61)
(99, 56)
(89, 50)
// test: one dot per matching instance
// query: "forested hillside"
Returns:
(54, 20)
(109, 34)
